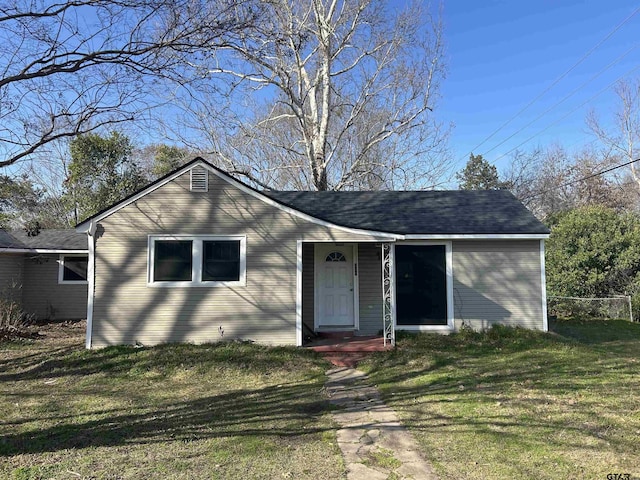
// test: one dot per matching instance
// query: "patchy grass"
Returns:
(511, 403)
(383, 458)
(223, 411)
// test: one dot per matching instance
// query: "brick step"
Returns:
(355, 345)
(345, 359)
(348, 352)
(338, 335)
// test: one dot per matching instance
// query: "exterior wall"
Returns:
(44, 297)
(497, 282)
(370, 288)
(308, 279)
(11, 276)
(127, 309)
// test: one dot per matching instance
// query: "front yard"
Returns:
(181, 411)
(511, 404)
(503, 404)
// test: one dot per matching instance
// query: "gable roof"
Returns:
(436, 212)
(47, 240)
(389, 213)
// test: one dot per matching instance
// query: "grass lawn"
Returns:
(511, 403)
(175, 411)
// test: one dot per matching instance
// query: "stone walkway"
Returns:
(375, 445)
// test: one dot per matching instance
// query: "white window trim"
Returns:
(61, 280)
(449, 327)
(196, 252)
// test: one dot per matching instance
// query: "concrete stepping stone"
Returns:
(374, 443)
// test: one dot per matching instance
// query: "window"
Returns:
(197, 260)
(221, 260)
(172, 261)
(335, 257)
(73, 269)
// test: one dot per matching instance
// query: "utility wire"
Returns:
(600, 92)
(582, 179)
(557, 80)
(565, 98)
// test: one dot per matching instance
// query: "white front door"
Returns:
(334, 286)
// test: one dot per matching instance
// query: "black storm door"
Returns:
(421, 285)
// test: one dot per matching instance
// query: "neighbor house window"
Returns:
(73, 268)
(197, 261)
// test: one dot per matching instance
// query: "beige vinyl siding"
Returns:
(497, 282)
(44, 297)
(370, 289)
(11, 278)
(127, 310)
(308, 279)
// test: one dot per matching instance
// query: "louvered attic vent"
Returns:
(199, 179)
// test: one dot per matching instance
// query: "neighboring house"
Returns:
(46, 274)
(199, 256)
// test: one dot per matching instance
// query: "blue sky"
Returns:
(502, 54)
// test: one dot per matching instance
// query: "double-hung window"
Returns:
(197, 260)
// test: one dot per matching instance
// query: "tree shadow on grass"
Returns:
(282, 408)
(429, 353)
(486, 376)
(277, 411)
(597, 332)
(162, 359)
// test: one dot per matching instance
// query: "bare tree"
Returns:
(540, 180)
(551, 180)
(623, 138)
(71, 67)
(327, 94)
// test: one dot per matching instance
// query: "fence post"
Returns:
(630, 308)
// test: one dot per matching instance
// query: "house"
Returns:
(199, 256)
(46, 274)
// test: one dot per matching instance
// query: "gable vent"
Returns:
(199, 179)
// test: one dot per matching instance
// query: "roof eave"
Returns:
(476, 236)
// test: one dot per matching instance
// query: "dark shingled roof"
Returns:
(480, 212)
(423, 212)
(50, 239)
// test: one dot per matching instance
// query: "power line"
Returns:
(600, 92)
(565, 98)
(557, 80)
(582, 179)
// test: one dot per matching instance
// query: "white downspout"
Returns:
(91, 261)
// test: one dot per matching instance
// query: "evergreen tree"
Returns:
(479, 174)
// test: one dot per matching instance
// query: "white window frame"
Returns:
(196, 261)
(61, 280)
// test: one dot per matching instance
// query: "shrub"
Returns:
(14, 321)
(595, 252)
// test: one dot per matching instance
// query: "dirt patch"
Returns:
(45, 337)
